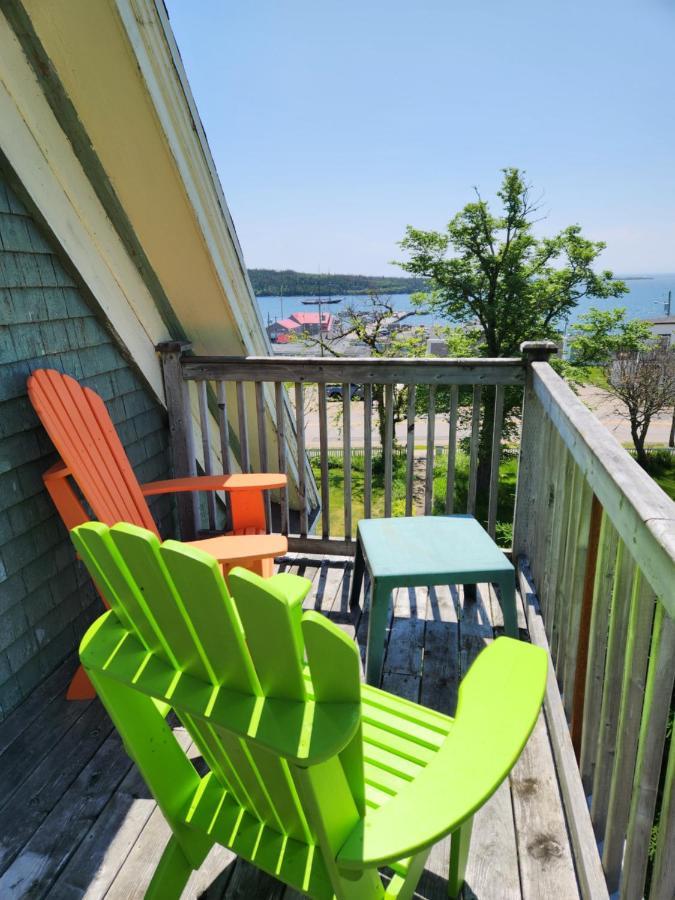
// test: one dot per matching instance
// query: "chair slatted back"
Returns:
(174, 600)
(78, 423)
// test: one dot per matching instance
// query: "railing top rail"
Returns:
(641, 512)
(359, 370)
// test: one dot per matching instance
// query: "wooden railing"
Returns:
(595, 539)
(279, 386)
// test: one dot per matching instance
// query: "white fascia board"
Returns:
(44, 161)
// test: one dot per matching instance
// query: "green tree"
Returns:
(373, 324)
(512, 284)
(644, 383)
(491, 270)
(598, 335)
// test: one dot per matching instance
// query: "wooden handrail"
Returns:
(640, 511)
(358, 370)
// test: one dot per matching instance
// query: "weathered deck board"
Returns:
(50, 780)
(83, 824)
(54, 842)
(543, 846)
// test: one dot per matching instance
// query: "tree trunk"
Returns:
(378, 398)
(639, 434)
(671, 439)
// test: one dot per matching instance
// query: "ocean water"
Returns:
(645, 300)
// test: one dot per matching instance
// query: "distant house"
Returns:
(663, 329)
(300, 323)
(282, 328)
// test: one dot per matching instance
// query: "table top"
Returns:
(420, 546)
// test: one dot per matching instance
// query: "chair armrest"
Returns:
(63, 496)
(230, 483)
(498, 705)
(58, 470)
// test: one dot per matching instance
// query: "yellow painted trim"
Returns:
(43, 160)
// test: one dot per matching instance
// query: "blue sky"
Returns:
(335, 124)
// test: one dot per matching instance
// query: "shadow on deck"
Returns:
(76, 820)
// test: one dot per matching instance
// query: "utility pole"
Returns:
(667, 304)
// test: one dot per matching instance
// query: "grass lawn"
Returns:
(507, 491)
(662, 469)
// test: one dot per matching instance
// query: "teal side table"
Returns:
(425, 550)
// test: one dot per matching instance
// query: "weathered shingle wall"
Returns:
(46, 599)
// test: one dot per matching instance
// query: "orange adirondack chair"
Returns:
(78, 423)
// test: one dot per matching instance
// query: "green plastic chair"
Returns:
(315, 778)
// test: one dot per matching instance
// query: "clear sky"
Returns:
(335, 123)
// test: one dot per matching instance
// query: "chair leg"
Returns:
(80, 687)
(403, 888)
(377, 627)
(459, 853)
(171, 875)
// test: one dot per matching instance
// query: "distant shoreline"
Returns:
(288, 283)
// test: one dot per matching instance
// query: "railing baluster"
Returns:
(575, 544)
(431, 434)
(243, 428)
(663, 877)
(224, 428)
(410, 451)
(452, 451)
(550, 506)
(224, 434)
(611, 698)
(300, 434)
(262, 444)
(494, 459)
(323, 444)
(597, 649)
(281, 446)
(586, 613)
(473, 457)
(542, 511)
(655, 714)
(347, 457)
(632, 692)
(558, 561)
(206, 449)
(387, 450)
(574, 593)
(367, 450)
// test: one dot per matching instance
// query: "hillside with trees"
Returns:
(273, 283)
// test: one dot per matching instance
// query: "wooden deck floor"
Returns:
(76, 820)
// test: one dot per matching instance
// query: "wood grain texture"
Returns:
(641, 512)
(360, 370)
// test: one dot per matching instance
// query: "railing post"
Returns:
(530, 445)
(180, 432)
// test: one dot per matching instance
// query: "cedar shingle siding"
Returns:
(46, 599)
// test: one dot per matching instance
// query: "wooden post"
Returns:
(526, 489)
(180, 432)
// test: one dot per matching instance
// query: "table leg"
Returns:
(507, 590)
(377, 626)
(357, 577)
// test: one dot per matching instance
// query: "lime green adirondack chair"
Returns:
(314, 777)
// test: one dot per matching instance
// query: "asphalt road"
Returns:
(605, 407)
